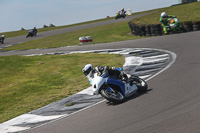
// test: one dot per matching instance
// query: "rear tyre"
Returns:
(112, 96)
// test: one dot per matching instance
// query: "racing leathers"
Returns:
(164, 22)
(111, 71)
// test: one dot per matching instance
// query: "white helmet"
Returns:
(88, 70)
(164, 15)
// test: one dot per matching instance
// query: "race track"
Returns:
(172, 105)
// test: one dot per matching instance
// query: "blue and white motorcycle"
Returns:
(116, 90)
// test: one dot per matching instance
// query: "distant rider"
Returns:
(123, 12)
(2, 38)
(164, 19)
(89, 72)
(32, 32)
(35, 31)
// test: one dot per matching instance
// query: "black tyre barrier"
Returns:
(137, 30)
(153, 33)
(131, 27)
(188, 26)
(134, 29)
(157, 30)
(142, 30)
(196, 25)
(148, 30)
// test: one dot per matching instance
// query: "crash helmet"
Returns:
(164, 15)
(88, 70)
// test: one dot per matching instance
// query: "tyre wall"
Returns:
(157, 30)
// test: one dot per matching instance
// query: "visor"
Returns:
(87, 71)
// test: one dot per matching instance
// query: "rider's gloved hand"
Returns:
(123, 76)
(99, 68)
(106, 68)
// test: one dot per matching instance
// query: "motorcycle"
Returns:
(120, 15)
(2, 38)
(174, 25)
(32, 33)
(116, 90)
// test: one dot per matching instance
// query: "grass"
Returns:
(185, 12)
(69, 104)
(24, 32)
(101, 34)
(28, 83)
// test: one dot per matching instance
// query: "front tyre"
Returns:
(112, 95)
(140, 83)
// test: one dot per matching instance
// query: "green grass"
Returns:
(69, 104)
(28, 83)
(24, 32)
(185, 12)
(100, 34)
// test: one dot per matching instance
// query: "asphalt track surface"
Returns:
(172, 104)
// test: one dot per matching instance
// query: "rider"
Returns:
(164, 18)
(2, 39)
(35, 31)
(89, 71)
(123, 12)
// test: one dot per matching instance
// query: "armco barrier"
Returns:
(157, 30)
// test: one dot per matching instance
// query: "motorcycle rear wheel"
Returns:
(115, 97)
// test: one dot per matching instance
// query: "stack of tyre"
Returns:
(157, 30)
(146, 29)
(191, 26)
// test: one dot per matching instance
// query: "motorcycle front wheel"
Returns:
(112, 95)
(141, 84)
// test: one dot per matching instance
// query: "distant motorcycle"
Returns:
(31, 33)
(2, 38)
(174, 25)
(52, 25)
(120, 15)
(45, 26)
(116, 90)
